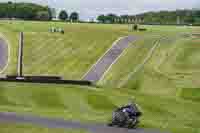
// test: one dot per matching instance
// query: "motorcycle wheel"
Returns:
(133, 124)
(119, 119)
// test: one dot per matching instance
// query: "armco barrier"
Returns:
(46, 80)
(35, 77)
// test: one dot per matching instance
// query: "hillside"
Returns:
(173, 65)
(69, 55)
(165, 85)
(25, 11)
(88, 104)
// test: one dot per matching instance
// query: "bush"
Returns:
(135, 27)
(43, 15)
(142, 29)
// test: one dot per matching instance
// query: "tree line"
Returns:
(30, 11)
(64, 16)
(172, 17)
(113, 18)
(26, 11)
(161, 17)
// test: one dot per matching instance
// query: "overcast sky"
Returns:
(91, 8)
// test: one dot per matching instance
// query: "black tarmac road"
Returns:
(58, 123)
(97, 71)
(3, 54)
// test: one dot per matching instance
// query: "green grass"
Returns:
(190, 94)
(173, 64)
(156, 86)
(69, 55)
(100, 102)
(25, 128)
(87, 104)
(130, 59)
(186, 56)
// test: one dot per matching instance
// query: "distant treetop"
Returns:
(26, 11)
(161, 17)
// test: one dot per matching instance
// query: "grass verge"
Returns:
(86, 104)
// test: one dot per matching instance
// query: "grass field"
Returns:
(174, 64)
(88, 104)
(166, 86)
(139, 51)
(24, 128)
(69, 55)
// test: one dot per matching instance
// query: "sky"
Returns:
(89, 9)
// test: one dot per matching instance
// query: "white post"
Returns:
(20, 55)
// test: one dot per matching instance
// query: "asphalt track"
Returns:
(97, 70)
(3, 54)
(59, 123)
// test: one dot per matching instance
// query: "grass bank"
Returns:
(88, 104)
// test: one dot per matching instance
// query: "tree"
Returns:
(74, 17)
(135, 27)
(9, 9)
(52, 11)
(101, 18)
(110, 18)
(63, 15)
(44, 16)
(27, 11)
(9, 2)
(124, 18)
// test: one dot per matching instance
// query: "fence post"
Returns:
(20, 55)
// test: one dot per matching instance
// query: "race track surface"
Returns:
(3, 54)
(97, 71)
(58, 123)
